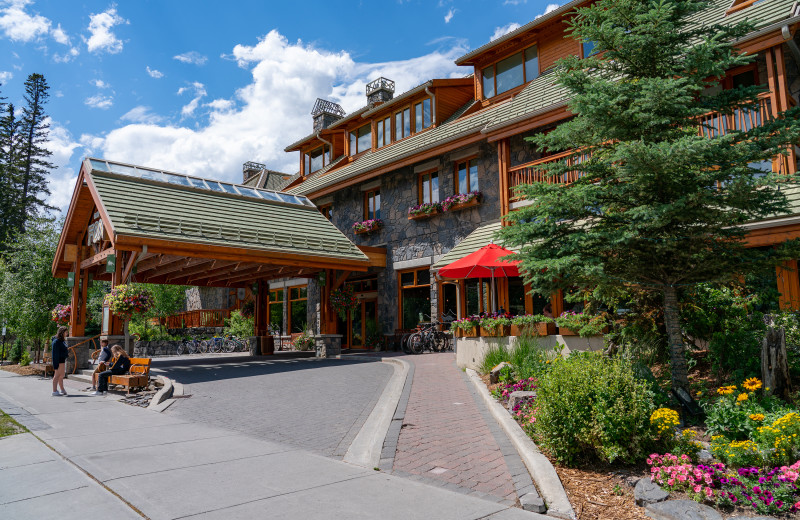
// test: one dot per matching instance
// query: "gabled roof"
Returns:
(480, 237)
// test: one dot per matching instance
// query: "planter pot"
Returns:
(566, 332)
(474, 332)
(423, 216)
(267, 345)
(471, 204)
(504, 330)
(458, 333)
(366, 231)
(539, 328)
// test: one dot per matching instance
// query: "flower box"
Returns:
(540, 328)
(566, 332)
(367, 226)
(502, 330)
(474, 332)
(423, 216)
(461, 201)
(465, 205)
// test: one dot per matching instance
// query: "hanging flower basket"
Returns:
(248, 310)
(126, 300)
(344, 301)
(367, 226)
(61, 314)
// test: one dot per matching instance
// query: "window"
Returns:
(372, 204)
(327, 211)
(511, 72)
(588, 48)
(298, 318)
(422, 115)
(466, 176)
(317, 159)
(361, 139)
(415, 297)
(402, 124)
(478, 293)
(384, 132)
(429, 187)
(275, 310)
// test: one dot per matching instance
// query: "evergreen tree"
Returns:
(10, 201)
(34, 166)
(657, 206)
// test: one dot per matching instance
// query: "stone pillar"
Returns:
(255, 345)
(82, 353)
(328, 345)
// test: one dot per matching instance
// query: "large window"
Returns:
(276, 310)
(466, 176)
(402, 124)
(428, 187)
(415, 297)
(372, 204)
(327, 211)
(361, 139)
(511, 72)
(588, 48)
(422, 115)
(478, 294)
(317, 159)
(298, 319)
(384, 129)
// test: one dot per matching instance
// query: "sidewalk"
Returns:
(162, 467)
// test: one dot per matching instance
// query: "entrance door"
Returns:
(361, 325)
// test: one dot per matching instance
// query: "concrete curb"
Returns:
(366, 448)
(163, 394)
(543, 473)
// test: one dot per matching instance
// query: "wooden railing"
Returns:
(199, 318)
(742, 119)
(531, 172)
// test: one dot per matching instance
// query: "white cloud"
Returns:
(199, 93)
(268, 113)
(502, 31)
(62, 179)
(142, 114)
(100, 25)
(193, 57)
(67, 56)
(515, 2)
(99, 83)
(5, 76)
(18, 25)
(449, 15)
(59, 35)
(154, 73)
(99, 101)
(549, 9)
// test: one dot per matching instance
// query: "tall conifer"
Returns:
(658, 206)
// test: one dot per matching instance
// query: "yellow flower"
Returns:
(752, 384)
(742, 397)
(726, 390)
(758, 417)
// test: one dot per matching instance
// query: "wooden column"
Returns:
(116, 325)
(557, 303)
(788, 285)
(783, 100)
(75, 325)
(504, 159)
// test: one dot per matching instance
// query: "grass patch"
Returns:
(9, 426)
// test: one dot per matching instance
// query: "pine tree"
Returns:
(657, 206)
(34, 166)
(10, 201)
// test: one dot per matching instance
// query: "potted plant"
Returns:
(461, 201)
(538, 323)
(579, 324)
(367, 226)
(61, 314)
(424, 210)
(495, 325)
(466, 327)
(304, 341)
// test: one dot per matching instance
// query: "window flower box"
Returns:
(367, 226)
(466, 327)
(539, 324)
(423, 211)
(579, 324)
(461, 201)
(495, 325)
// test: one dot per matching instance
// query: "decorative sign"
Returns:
(70, 279)
(111, 263)
(241, 293)
(106, 319)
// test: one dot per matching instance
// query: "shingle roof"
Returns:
(158, 209)
(482, 236)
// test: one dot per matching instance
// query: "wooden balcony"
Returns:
(742, 119)
(199, 318)
(531, 172)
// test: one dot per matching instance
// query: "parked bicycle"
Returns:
(191, 346)
(234, 344)
(429, 337)
(214, 345)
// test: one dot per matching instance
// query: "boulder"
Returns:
(705, 456)
(515, 397)
(647, 492)
(681, 510)
(532, 502)
(494, 374)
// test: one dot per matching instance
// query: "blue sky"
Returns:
(200, 87)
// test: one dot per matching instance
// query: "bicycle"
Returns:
(429, 337)
(234, 344)
(213, 345)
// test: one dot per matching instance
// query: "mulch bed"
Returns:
(23, 371)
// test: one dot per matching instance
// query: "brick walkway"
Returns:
(449, 440)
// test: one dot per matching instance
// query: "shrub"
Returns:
(595, 408)
(239, 326)
(15, 354)
(583, 324)
(493, 357)
(25, 360)
(529, 358)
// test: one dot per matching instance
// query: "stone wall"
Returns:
(155, 348)
(209, 298)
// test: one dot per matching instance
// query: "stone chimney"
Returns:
(251, 169)
(379, 91)
(325, 113)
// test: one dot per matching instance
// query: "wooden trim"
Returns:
(98, 202)
(739, 5)
(420, 189)
(96, 259)
(503, 160)
(456, 164)
(371, 193)
(788, 285)
(772, 236)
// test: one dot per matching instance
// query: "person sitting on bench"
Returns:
(103, 358)
(120, 366)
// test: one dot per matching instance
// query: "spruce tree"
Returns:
(34, 166)
(10, 201)
(658, 206)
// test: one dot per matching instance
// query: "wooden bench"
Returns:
(45, 367)
(137, 377)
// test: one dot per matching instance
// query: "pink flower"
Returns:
(696, 489)
(671, 482)
(682, 478)
(708, 492)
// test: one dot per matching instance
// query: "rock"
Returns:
(532, 502)
(705, 456)
(494, 375)
(681, 510)
(515, 397)
(648, 492)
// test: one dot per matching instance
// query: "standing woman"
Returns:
(59, 352)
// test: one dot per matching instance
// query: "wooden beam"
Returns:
(214, 273)
(126, 274)
(203, 265)
(97, 259)
(340, 280)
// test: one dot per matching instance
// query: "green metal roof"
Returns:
(156, 209)
(482, 236)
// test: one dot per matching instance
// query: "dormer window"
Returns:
(361, 139)
(384, 132)
(402, 124)
(511, 72)
(422, 115)
(317, 159)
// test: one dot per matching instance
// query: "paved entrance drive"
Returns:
(449, 437)
(317, 405)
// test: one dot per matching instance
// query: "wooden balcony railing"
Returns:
(742, 119)
(531, 172)
(199, 318)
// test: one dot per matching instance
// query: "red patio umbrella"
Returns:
(483, 263)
